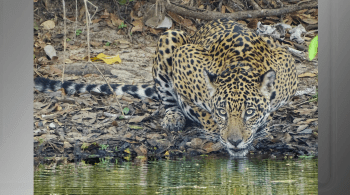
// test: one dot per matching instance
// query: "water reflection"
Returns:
(207, 175)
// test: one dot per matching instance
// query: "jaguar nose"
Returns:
(234, 142)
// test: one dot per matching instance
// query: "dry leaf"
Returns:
(115, 20)
(306, 111)
(95, 43)
(187, 22)
(208, 147)
(54, 70)
(307, 75)
(311, 120)
(105, 14)
(49, 24)
(96, 20)
(155, 31)
(68, 61)
(107, 59)
(137, 119)
(301, 127)
(137, 26)
(223, 8)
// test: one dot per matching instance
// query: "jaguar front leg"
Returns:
(174, 119)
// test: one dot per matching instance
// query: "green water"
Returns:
(185, 176)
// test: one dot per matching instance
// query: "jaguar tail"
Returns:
(140, 91)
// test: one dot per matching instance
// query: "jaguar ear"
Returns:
(267, 86)
(210, 79)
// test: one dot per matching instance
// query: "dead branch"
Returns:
(211, 15)
(254, 4)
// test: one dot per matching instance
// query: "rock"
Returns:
(52, 126)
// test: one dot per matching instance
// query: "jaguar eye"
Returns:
(222, 112)
(249, 112)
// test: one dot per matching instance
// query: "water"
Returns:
(206, 175)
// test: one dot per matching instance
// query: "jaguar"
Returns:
(225, 78)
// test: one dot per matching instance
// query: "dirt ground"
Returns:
(91, 126)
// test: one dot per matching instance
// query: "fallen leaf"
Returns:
(105, 14)
(135, 127)
(313, 48)
(138, 25)
(115, 20)
(54, 70)
(301, 127)
(307, 74)
(95, 43)
(305, 111)
(137, 119)
(96, 20)
(49, 24)
(311, 120)
(68, 61)
(107, 59)
(155, 31)
(127, 150)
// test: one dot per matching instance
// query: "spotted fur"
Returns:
(225, 79)
(138, 91)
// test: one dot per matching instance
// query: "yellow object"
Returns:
(166, 153)
(107, 59)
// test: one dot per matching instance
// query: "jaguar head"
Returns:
(240, 99)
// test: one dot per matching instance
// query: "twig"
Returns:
(88, 20)
(312, 31)
(38, 73)
(76, 20)
(65, 39)
(211, 15)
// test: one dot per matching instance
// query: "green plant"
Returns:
(108, 44)
(68, 39)
(314, 97)
(313, 48)
(103, 161)
(103, 146)
(126, 110)
(306, 156)
(78, 32)
(84, 146)
(41, 141)
(122, 25)
(123, 2)
(116, 148)
(36, 26)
